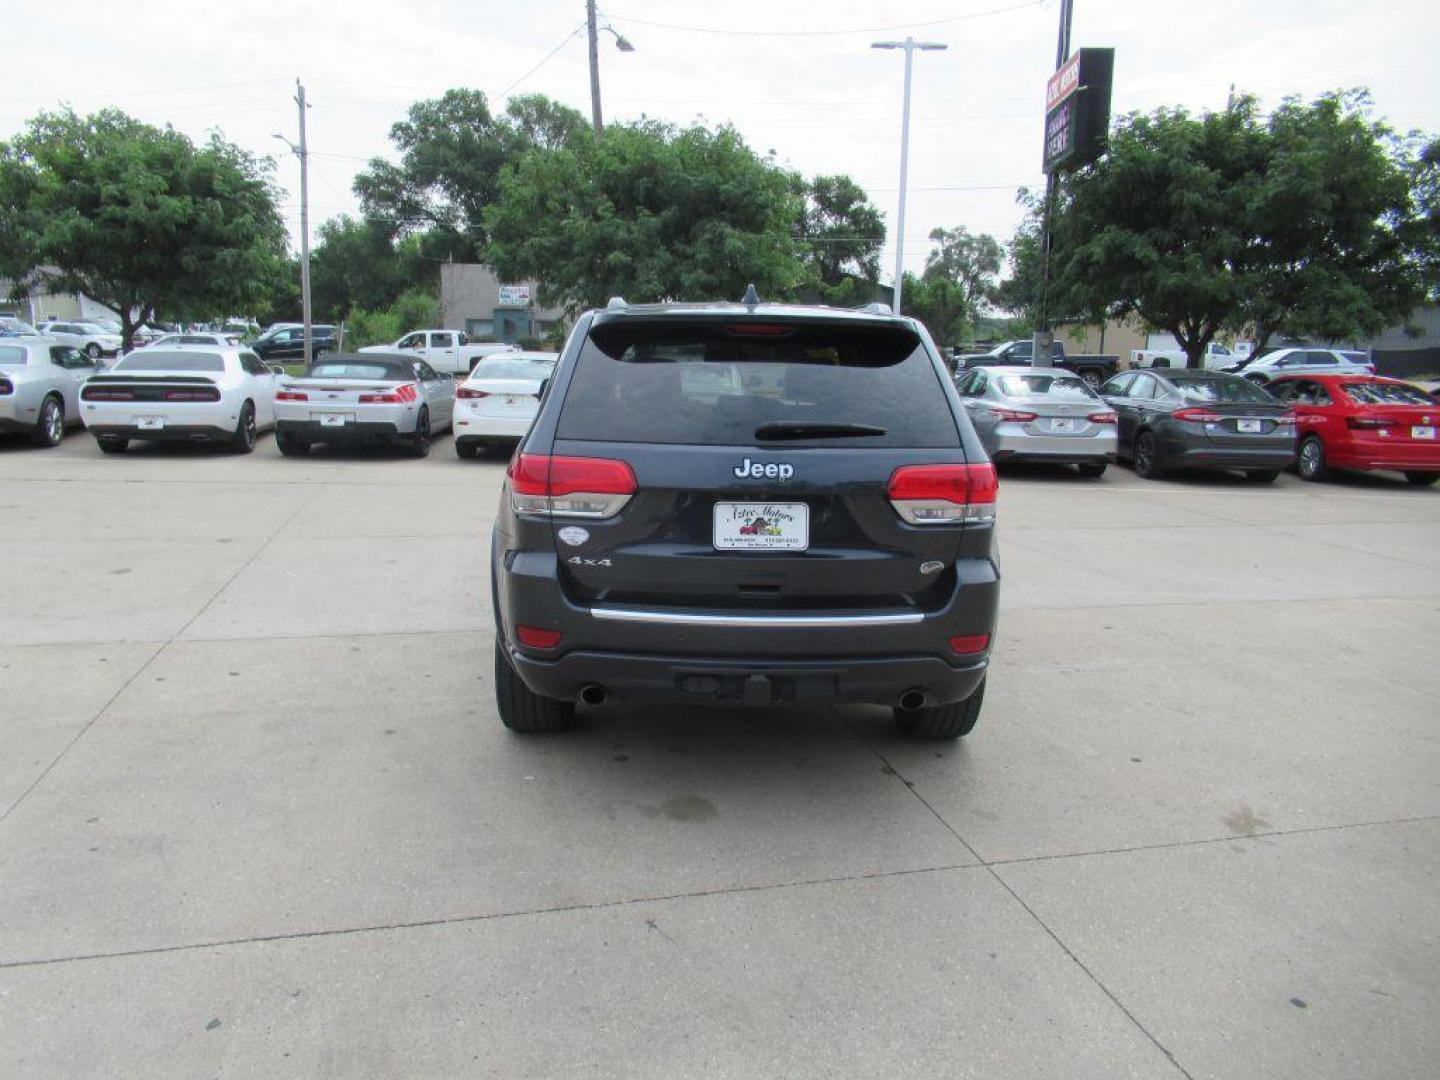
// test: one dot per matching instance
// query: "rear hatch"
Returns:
(764, 453)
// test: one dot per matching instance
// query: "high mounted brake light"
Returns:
(944, 494)
(569, 486)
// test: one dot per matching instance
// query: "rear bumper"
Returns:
(169, 433)
(1020, 446)
(875, 680)
(1412, 456)
(364, 431)
(1193, 456)
(474, 428)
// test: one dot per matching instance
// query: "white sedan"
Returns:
(196, 394)
(496, 405)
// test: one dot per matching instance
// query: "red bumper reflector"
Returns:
(537, 638)
(970, 644)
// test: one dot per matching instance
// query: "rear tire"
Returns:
(50, 426)
(1422, 479)
(1091, 469)
(1147, 457)
(1091, 379)
(291, 445)
(243, 441)
(1262, 476)
(464, 449)
(109, 444)
(92, 351)
(952, 721)
(1310, 460)
(420, 441)
(523, 710)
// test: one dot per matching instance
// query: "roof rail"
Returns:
(617, 303)
(875, 307)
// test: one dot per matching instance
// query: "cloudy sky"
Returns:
(796, 77)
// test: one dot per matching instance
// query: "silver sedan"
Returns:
(1035, 414)
(364, 399)
(40, 387)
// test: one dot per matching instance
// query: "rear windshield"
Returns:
(513, 369)
(1386, 394)
(12, 356)
(1221, 391)
(711, 383)
(171, 361)
(1051, 386)
(360, 371)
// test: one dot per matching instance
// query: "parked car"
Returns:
(198, 394)
(750, 504)
(40, 387)
(444, 350)
(1094, 368)
(185, 341)
(13, 327)
(1188, 419)
(1030, 414)
(1302, 360)
(288, 342)
(363, 399)
(496, 404)
(94, 341)
(1217, 357)
(1365, 423)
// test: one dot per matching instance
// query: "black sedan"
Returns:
(1193, 419)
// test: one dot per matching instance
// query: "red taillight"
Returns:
(1101, 418)
(969, 644)
(292, 395)
(1014, 415)
(569, 486)
(537, 637)
(105, 393)
(402, 394)
(208, 394)
(469, 392)
(1368, 422)
(944, 494)
(1197, 416)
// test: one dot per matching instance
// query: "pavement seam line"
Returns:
(460, 920)
(990, 869)
(85, 727)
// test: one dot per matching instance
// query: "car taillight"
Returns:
(105, 393)
(1368, 422)
(537, 637)
(292, 395)
(569, 486)
(969, 644)
(469, 392)
(6, 387)
(209, 394)
(1197, 416)
(1014, 415)
(944, 494)
(402, 394)
(1101, 418)
(1287, 418)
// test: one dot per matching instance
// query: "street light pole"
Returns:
(593, 28)
(909, 45)
(304, 153)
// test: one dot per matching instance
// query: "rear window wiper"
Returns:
(814, 429)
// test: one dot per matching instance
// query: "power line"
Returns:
(729, 32)
(543, 61)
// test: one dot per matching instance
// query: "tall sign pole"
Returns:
(1044, 336)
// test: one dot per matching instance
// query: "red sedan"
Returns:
(1363, 422)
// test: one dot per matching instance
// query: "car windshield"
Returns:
(1062, 388)
(1378, 393)
(1221, 391)
(513, 369)
(720, 382)
(171, 361)
(359, 371)
(12, 356)
(1355, 357)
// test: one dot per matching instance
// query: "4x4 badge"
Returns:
(773, 471)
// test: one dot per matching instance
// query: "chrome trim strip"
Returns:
(685, 619)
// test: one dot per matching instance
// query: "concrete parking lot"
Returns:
(260, 819)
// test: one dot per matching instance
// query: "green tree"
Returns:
(941, 304)
(452, 149)
(841, 235)
(357, 263)
(416, 307)
(139, 218)
(1019, 292)
(647, 211)
(971, 261)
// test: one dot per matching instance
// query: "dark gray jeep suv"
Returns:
(748, 504)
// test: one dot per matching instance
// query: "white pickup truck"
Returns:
(1217, 357)
(444, 350)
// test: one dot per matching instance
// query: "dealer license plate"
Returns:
(762, 526)
(150, 423)
(1062, 427)
(1419, 432)
(1248, 426)
(332, 419)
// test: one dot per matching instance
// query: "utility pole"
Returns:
(594, 31)
(1044, 337)
(304, 153)
(909, 45)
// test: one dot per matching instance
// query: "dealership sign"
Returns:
(1077, 109)
(514, 296)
